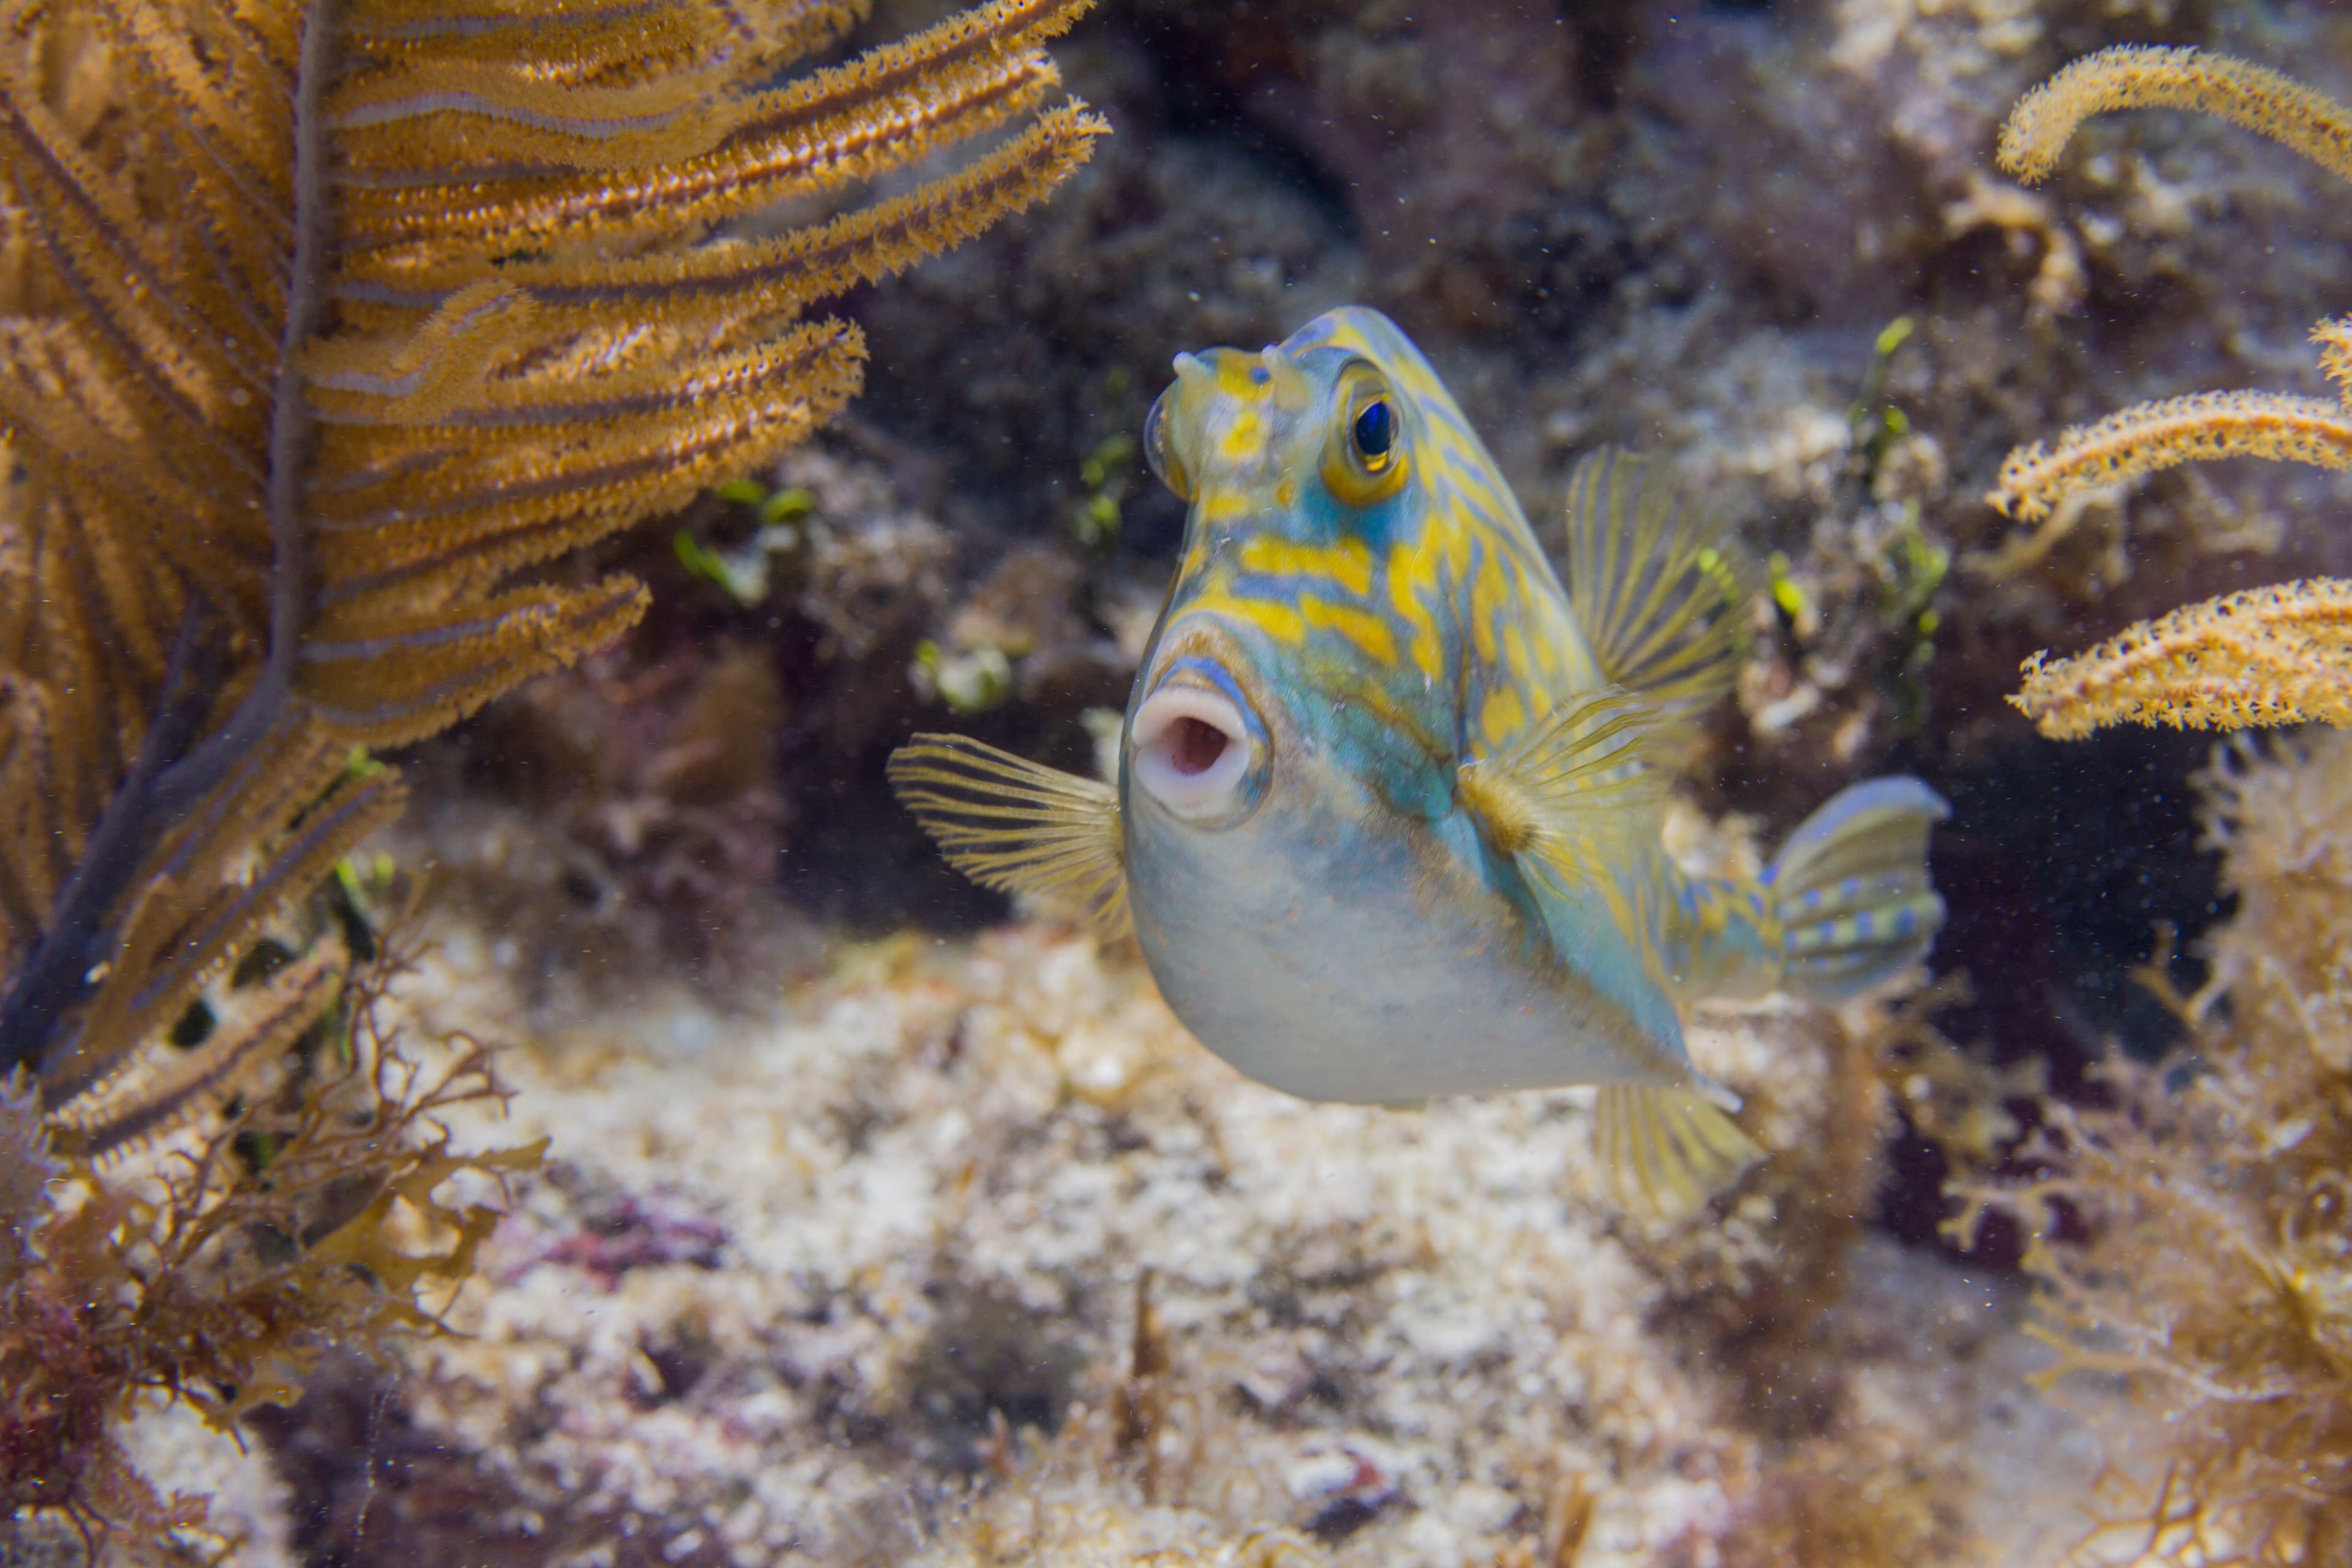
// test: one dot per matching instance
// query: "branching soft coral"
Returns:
(322, 326)
(2217, 1278)
(2181, 673)
(2268, 656)
(327, 326)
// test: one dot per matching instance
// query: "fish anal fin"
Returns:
(1017, 826)
(1657, 583)
(1550, 797)
(1667, 1151)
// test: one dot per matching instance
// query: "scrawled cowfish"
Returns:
(1387, 820)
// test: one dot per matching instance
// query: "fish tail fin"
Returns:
(1850, 892)
(1667, 1151)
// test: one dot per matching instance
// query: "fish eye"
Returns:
(1375, 434)
(1160, 456)
(1364, 458)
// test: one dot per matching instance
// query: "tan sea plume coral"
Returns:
(324, 323)
(2266, 659)
(2278, 655)
(325, 329)
(2201, 428)
(2133, 76)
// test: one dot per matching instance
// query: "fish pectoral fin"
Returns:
(1018, 828)
(1578, 776)
(1667, 1151)
(1657, 583)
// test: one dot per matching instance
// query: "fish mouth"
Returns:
(1190, 750)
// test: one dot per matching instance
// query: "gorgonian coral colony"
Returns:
(376, 310)
(2212, 1280)
(2275, 657)
(321, 327)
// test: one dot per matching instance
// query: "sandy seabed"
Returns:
(855, 1278)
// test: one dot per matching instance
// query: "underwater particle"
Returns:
(970, 681)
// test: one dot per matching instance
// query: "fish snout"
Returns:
(1196, 749)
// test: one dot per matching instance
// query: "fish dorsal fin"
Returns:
(1547, 798)
(1667, 1151)
(1013, 825)
(1657, 585)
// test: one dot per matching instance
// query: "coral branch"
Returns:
(2137, 76)
(56, 975)
(857, 247)
(2281, 655)
(111, 1117)
(2149, 436)
(2271, 657)
(289, 416)
(2334, 337)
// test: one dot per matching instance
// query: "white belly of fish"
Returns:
(1335, 964)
